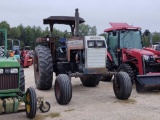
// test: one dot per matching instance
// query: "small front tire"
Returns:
(122, 85)
(44, 108)
(63, 89)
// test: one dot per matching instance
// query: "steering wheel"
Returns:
(1, 52)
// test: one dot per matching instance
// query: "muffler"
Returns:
(147, 83)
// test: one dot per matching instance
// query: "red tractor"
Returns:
(126, 53)
(26, 57)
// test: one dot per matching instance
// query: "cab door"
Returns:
(112, 43)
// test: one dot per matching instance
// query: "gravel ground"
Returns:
(96, 103)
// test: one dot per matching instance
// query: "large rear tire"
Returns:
(90, 80)
(107, 78)
(31, 103)
(43, 67)
(22, 80)
(63, 89)
(127, 68)
(122, 85)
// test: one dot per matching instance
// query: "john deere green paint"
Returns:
(12, 84)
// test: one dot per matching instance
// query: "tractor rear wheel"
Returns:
(90, 81)
(31, 103)
(107, 78)
(63, 89)
(122, 85)
(22, 80)
(43, 68)
(127, 68)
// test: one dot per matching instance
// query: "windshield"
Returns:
(130, 39)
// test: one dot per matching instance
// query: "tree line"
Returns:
(27, 35)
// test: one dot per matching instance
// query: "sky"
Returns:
(99, 13)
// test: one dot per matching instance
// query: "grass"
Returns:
(42, 117)
(129, 101)
(69, 110)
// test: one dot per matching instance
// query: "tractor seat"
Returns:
(62, 42)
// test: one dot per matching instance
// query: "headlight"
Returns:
(149, 58)
(146, 57)
(1, 71)
(100, 44)
(14, 70)
(91, 44)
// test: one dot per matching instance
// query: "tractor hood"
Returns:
(9, 62)
(142, 52)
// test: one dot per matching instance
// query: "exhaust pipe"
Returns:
(76, 23)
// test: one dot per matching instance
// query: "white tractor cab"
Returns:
(88, 54)
(93, 52)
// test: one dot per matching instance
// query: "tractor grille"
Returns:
(8, 81)
(96, 58)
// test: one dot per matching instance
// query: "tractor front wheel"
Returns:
(122, 85)
(63, 89)
(31, 103)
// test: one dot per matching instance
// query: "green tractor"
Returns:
(12, 85)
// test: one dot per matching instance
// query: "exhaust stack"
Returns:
(76, 23)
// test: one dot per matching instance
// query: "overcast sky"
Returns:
(141, 13)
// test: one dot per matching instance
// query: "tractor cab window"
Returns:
(112, 43)
(112, 40)
(130, 39)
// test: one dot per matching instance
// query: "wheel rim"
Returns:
(36, 68)
(57, 90)
(28, 106)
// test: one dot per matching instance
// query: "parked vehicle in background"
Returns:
(126, 53)
(26, 56)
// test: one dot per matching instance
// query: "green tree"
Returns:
(85, 29)
(5, 25)
(14, 33)
(103, 34)
(93, 30)
(156, 37)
